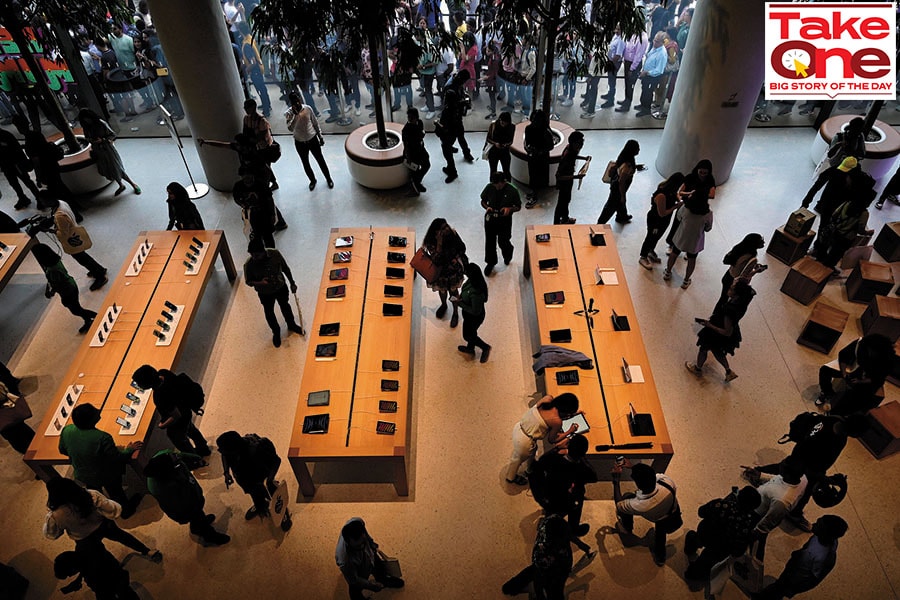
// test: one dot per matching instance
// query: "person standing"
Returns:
(253, 462)
(566, 176)
(654, 500)
(809, 565)
(257, 127)
(265, 272)
(622, 174)
(450, 128)
(74, 239)
(101, 136)
(694, 219)
(500, 137)
(779, 495)
(170, 481)
(721, 333)
(15, 166)
(667, 198)
(542, 421)
(183, 213)
(538, 145)
(176, 398)
(357, 556)
(414, 151)
(633, 55)
(651, 73)
(551, 559)
(307, 138)
(595, 72)
(725, 529)
(838, 235)
(254, 195)
(98, 568)
(614, 56)
(60, 282)
(96, 461)
(448, 253)
(699, 183)
(472, 298)
(500, 200)
(742, 263)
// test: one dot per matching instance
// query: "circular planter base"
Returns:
(79, 171)
(518, 166)
(376, 169)
(880, 156)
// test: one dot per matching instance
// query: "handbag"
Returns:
(747, 571)
(423, 265)
(486, 150)
(608, 172)
(272, 153)
(390, 565)
(671, 522)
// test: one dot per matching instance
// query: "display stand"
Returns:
(195, 190)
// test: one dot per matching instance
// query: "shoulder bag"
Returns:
(608, 172)
(423, 265)
(671, 522)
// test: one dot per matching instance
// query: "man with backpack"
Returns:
(253, 462)
(176, 398)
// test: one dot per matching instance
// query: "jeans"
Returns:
(658, 546)
(259, 83)
(497, 231)
(303, 150)
(404, 91)
(183, 432)
(502, 156)
(656, 227)
(591, 99)
(268, 303)
(310, 100)
(428, 84)
(615, 204)
(648, 88)
(631, 77)
(569, 83)
(351, 92)
(471, 323)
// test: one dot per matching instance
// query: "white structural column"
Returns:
(720, 79)
(201, 61)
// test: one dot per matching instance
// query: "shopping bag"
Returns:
(747, 571)
(278, 507)
(299, 314)
(391, 565)
(424, 266)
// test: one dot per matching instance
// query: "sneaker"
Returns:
(607, 104)
(451, 178)
(569, 221)
(216, 539)
(519, 480)
(429, 115)
(251, 512)
(587, 115)
(531, 203)
(22, 203)
(730, 375)
(693, 368)
(685, 285)
(485, 354)
(99, 283)
(879, 205)
(356, 112)
(296, 328)
(276, 339)
(466, 350)
(567, 102)
(155, 556)
(667, 275)
(645, 262)
(490, 116)
(488, 269)
(822, 399)
(653, 257)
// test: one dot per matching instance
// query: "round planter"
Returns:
(376, 169)
(79, 171)
(880, 155)
(518, 166)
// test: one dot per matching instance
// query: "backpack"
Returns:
(262, 451)
(802, 426)
(192, 395)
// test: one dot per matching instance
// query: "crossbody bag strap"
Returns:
(674, 497)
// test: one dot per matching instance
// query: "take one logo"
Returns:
(831, 50)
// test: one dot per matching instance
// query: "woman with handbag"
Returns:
(60, 282)
(257, 127)
(101, 136)
(621, 175)
(14, 411)
(448, 253)
(307, 138)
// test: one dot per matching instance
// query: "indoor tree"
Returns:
(301, 29)
(563, 24)
(51, 22)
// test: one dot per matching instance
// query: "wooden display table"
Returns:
(603, 393)
(806, 280)
(887, 244)
(788, 248)
(14, 248)
(882, 316)
(883, 436)
(823, 328)
(101, 374)
(869, 279)
(354, 377)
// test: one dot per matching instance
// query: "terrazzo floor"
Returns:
(462, 531)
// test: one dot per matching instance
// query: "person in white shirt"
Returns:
(307, 138)
(654, 500)
(780, 494)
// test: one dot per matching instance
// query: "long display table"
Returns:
(14, 248)
(620, 413)
(136, 325)
(367, 398)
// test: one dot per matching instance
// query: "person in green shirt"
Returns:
(96, 460)
(472, 298)
(60, 282)
(500, 200)
(265, 272)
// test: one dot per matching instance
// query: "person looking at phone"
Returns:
(500, 200)
(742, 263)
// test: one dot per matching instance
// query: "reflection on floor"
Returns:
(462, 532)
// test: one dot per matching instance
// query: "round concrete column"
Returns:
(198, 50)
(721, 75)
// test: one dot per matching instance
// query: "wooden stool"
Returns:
(806, 280)
(883, 436)
(882, 316)
(823, 327)
(887, 244)
(787, 248)
(869, 279)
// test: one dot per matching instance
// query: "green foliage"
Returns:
(76, 16)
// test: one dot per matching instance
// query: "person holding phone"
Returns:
(543, 421)
(721, 333)
(654, 500)
(742, 263)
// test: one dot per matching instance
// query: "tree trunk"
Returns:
(376, 91)
(86, 96)
(550, 27)
(15, 28)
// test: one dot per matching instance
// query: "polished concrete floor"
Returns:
(462, 531)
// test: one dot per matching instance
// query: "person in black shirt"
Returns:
(726, 528)
(499, 200)
(450, 126)
(565, 178)
(175, 398)
(414, 150)
(560, 476)
(538, 144)
(265, 272)
(98, 568)
(15, 166)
